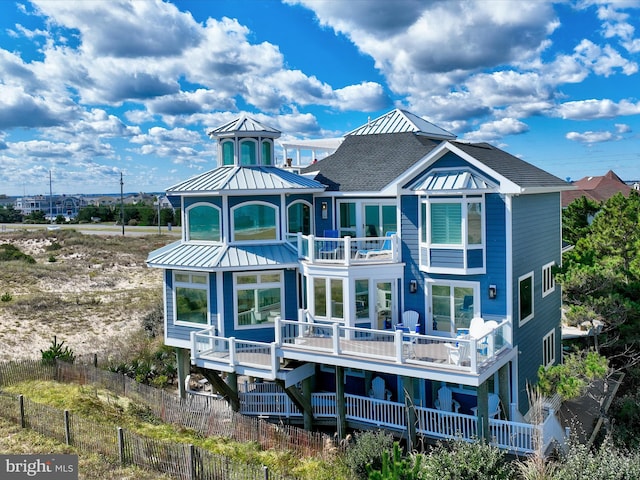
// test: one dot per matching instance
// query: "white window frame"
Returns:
(477, 308)
(522, 321)
(359, 207)
(195, 286)
(188, 222)
(548, 282)
(232, 234)
(234, 158)
(252, 286)
(308, 204)
(463, 201)
(549, 349)
(328, 299)
(271, 152)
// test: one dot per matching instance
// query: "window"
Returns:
(266, 153)
(362, 298)
(190, 297)
(254, 222)
(228, 152)
(299, 214)
(452, 305)
(548, 283)
(258, 298)
(525, 297)
(204, 223)
(331, 305)
(348, 223)
(366, 219)
(445, 222)
(549, 348)
(248, 152)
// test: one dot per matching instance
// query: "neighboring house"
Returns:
(403, 282)
(598, 189)
(67, 206)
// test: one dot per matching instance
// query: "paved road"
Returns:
(96, 229)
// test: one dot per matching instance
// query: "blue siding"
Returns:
(409, 250)
(446, 258)
(474, 258)
(496, 257)
(536, 242)
(326, 224)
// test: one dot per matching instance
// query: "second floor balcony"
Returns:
(329, 249)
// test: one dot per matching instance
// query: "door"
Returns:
(452, 306)
(385, 305)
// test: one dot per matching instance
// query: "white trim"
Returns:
(193, 286)
(220, 302)
(258, 285)
(187, 224)
(548, 282)
(549, 349)
(373, 199)
(509, 262)
(521, 278)
(311, 214)
(232, 234)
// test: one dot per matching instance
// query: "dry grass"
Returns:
(92, 297)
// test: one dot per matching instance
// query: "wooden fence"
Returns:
(208, 416)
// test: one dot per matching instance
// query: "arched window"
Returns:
(266, 153)
(227, 152)
(299, 218)
(255, 222)
(204, 223)
(248, 152)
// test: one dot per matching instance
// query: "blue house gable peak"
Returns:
(402, 121)
(244, 126)
(230, 179)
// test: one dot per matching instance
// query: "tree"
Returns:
(577, 218)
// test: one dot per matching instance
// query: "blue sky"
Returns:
(94, 88)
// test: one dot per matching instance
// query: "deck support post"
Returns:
(483, 411)
(308, 412)
(302, 400)
(228, 389)
(504, 390)
(407, 387)
(341, 410)
(183, 361)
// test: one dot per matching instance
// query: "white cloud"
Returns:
(591, 137)
(622, 128)
(492, 131)
(591, 109)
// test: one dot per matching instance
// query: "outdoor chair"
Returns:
(445, 400)
(379, 389)
(329, 248)
(459, 351)
(494, 406)
(384, 250)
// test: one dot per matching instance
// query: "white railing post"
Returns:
(232, 351)
(473, 347)
(347, 251)
(278, 331)
(398, 343)
(336, 339)
(312, 248)
(194, 347)
(274, 360)
(395, 245)
(299, 244)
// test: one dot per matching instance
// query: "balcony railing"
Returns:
(516, 437)
(348, 250)
(462, 354)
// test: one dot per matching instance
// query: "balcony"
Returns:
(463, 360)
(348, 250)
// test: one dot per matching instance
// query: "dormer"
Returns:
(245, 142)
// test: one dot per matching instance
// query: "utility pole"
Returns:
(122, 203)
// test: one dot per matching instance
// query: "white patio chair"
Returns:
(494, 406)
(459, 352)
(379, 389)
(445, 400)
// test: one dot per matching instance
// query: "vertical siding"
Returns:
(536, 242)
(496, 257)
(322, 225)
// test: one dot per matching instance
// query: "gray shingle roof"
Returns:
(512, 168)
(370, 162)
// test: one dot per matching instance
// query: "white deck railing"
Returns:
(514, 437)
(395, 346)
(349, 250)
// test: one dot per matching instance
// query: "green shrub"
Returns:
(460, 460)
(367, 451)
(52, 259)
(6, 297)
(396, 467)
(572, 377)
(606, 461)
(53, 247)
(56, 351)
(9, 252)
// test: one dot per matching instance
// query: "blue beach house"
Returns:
(402, 282)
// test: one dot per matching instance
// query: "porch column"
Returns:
(308, 413)
(504, 387)
(341, 410)
(407, 389)
(483, 411)
(183, 362)
(232, 382)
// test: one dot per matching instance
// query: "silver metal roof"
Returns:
(233, 178)
(246, 126)
(401, 121)
(191, 256)
(448, 180)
